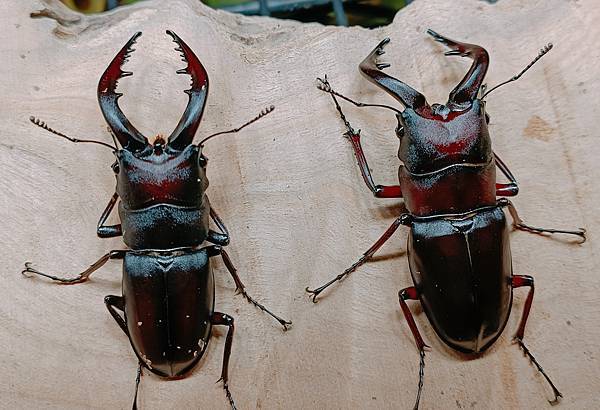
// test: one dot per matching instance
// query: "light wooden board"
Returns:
(291, 194)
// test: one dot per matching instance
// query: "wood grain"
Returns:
(290, 191)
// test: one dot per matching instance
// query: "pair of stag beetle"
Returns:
(458, 246)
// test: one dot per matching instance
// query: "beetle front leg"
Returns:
(240, 287)
(364, 258)
(518, 224)
(81, 277)
(517, 282)
(412, 294)
(108, 231)
(504, 189)
(225, 320)
(380, 191)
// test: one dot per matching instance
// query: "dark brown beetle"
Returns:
(458, 247)
(168, 285)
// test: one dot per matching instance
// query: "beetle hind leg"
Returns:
(412, 294)
(225, 320)
(517, 282)
(138, 378)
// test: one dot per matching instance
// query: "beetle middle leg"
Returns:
(412, 294)
(517, 282)
(225, 320)
(218, 238)
(240, 287)
(518, 223)
(81, 277)
(380, 191)
(364, 258)
(512, 189)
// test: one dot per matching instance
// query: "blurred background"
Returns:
(366, 13)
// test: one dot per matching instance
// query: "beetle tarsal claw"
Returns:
(27, 269)
(313, 293)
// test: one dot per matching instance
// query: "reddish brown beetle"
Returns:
(168, 286)
(458, 248)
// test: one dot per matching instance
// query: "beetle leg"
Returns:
(138, 378)
(218, 238)
(241, 288)
(364, 258)
(380, 191)
(225, 320)
(503, 189)
(517, 282)
(81, 277)
(108, 231)
(412, 294)
(518, 224)
(113, 302)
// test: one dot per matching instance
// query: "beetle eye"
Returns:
(115, 167)
(400, 131)
(202, 161)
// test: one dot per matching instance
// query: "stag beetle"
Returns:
(168, 285)
(458, 247)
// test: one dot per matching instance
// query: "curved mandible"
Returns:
(129, 137)
(183, 135)
(371, 67)
(466, 91)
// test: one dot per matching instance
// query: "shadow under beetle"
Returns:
(168, 286)
(458, 246)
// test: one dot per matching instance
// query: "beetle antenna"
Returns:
(542, 53)
(43, 125)
(263, 113)
(325, 86)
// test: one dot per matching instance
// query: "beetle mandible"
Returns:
(168, 286)
(458, 247)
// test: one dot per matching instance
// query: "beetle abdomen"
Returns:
(169, 300)
(462, 270)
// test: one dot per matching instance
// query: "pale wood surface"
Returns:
(291, 194)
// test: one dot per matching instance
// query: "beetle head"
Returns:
(127, 135)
